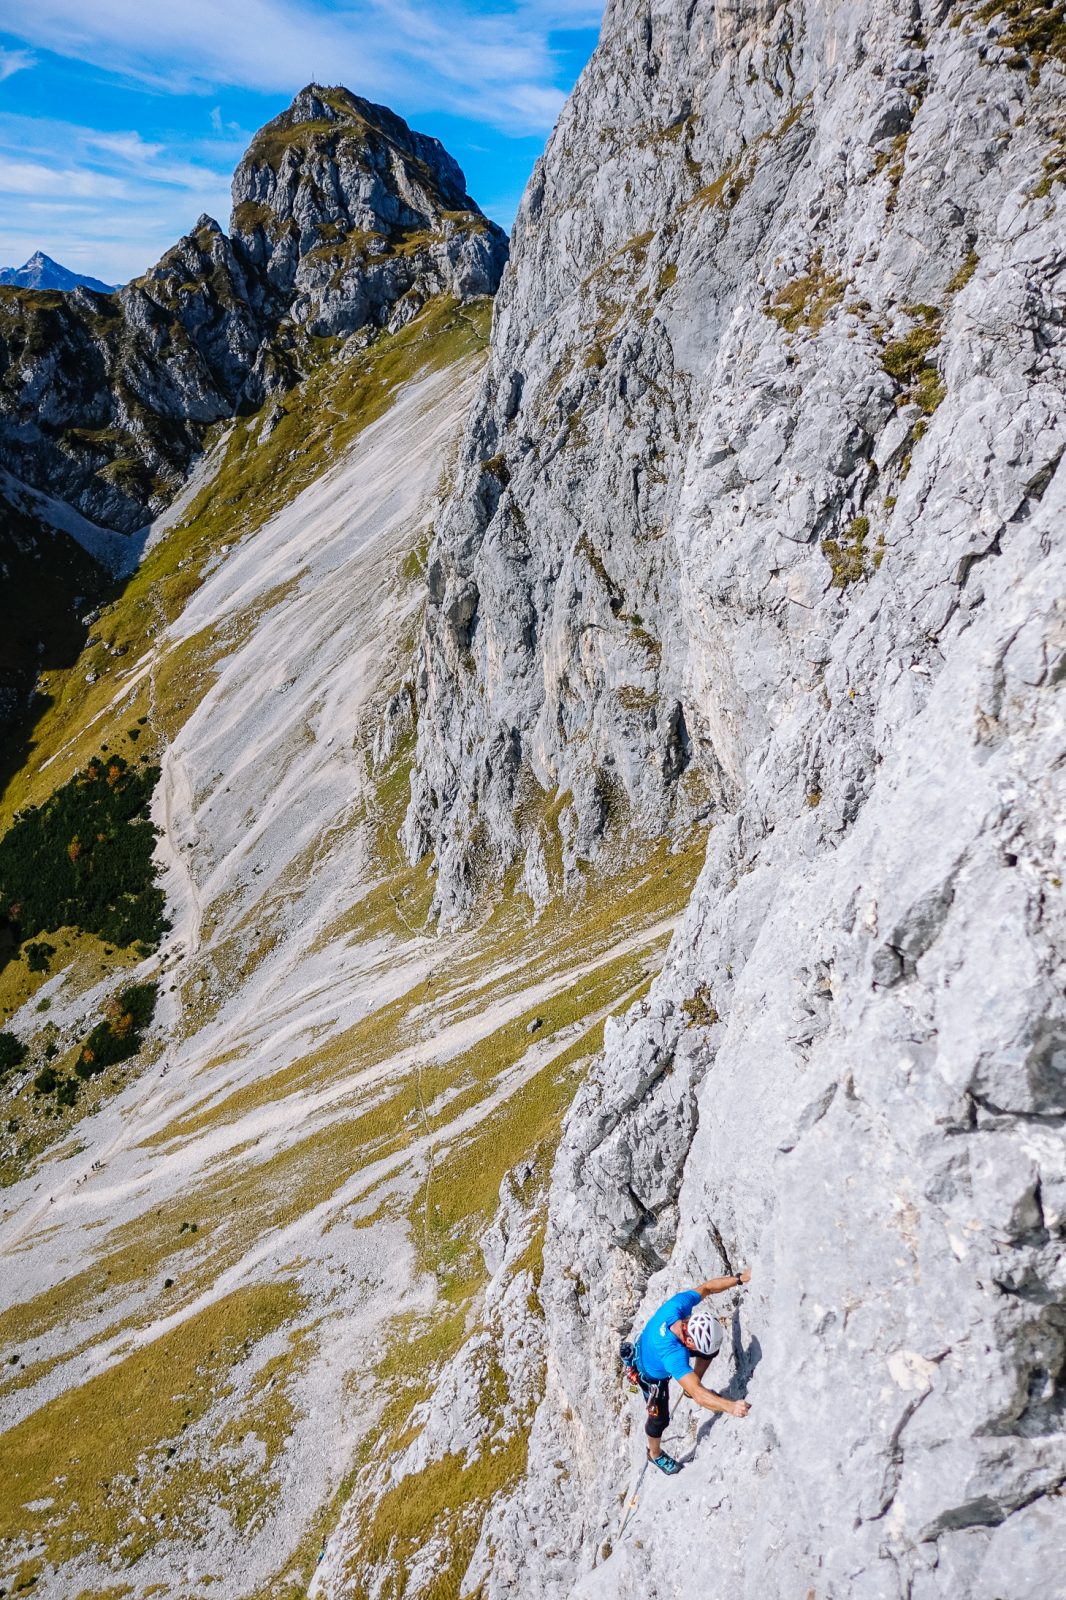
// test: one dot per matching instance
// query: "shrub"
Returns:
(67, 1093)
(700, 1008)
(12, 1052)
(46, 1081)
(847, 558)
(38, 955)
(84, 858)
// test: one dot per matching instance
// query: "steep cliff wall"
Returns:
(760, 509)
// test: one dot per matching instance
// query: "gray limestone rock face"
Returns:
(759, 520)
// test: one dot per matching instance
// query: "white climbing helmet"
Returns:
(705, 1331)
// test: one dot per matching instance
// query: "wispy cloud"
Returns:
(32, 178)
(451, 55)
(12, 61)
(108, 201)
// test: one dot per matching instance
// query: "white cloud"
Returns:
(12, 61)
(128, 145)
(108, 202)
(30, 178)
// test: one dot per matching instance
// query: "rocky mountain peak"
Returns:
(312, 104)
(41, 272)
(344, 220)
(338, 179)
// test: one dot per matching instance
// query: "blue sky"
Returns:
(122, 120)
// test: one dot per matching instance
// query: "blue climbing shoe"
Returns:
(665, 1464)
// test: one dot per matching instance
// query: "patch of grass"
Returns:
(724, 191)
(965, 272)
(632, 698)
(640, 635)
(807, 301)
(927, 391)
(446, 1501)
(415, 563)
(1054, 169)
(907, 360)
(577, 436)
(700, 1008)
(1035, 32)
(585, 548)
(95, 1462)
(892, 162)
(637, 247)
(462, 1193)
(278, 138)
(654, 134)
(848, 557)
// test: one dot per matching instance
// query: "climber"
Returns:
(680, 1328)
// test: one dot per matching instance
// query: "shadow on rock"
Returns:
(745, 1359)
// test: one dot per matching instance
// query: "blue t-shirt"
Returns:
(660, 1353)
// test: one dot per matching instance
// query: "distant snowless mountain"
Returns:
(41, 272)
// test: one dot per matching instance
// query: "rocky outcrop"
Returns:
(349, 217)
(760, 510)
(344, 220)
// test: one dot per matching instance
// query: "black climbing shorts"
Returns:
(656, 1392)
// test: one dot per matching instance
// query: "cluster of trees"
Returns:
(12, 1053)
(120, 1035)
(84, 859)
